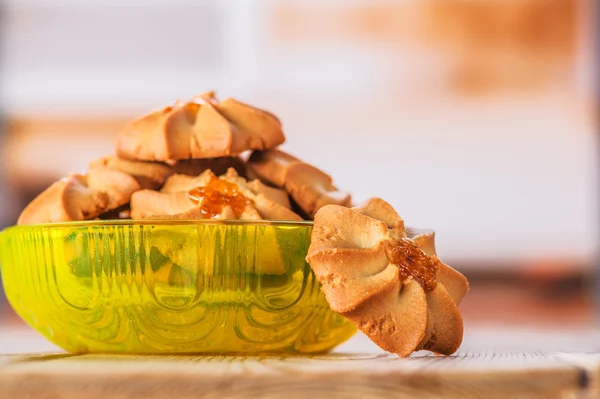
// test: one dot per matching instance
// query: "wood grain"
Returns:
(500, 371)
(351, 376)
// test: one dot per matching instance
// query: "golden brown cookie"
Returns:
(184, 183)
(455, 283)
(310, 187)
(149, 175)
(149, 204)
(152, 175)
(201, 128)
(377, 276)
(274, 194)
(267, 201)
(81, 197)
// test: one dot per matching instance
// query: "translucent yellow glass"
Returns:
(170, 287)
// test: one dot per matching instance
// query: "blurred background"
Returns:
(473, 117)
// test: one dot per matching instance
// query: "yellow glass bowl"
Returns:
(170, 287)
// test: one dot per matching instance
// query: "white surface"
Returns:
(22, 340)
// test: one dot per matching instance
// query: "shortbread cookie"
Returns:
(175, 197)
(81, 197)
(152, 175)
(149, 175)
(268, 201)
(184, 183)
(455, 283)
(378, 277)
(274, 194)
(149, 204)
(310, 187)
(201, 128)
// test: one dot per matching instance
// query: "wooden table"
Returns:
(493, 363)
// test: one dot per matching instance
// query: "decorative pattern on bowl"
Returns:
(170, 287)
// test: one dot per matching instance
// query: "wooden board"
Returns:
(500, 371)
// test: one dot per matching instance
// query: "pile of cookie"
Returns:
(198, 159)
(211, 159)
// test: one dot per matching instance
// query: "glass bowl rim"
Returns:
(161, 222)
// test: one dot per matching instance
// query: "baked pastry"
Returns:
(386, 279)
(184, 183)
(149, 204)
(152, 175)
(205, 196)
(201, 201)
(270, 202)
(81, 197)
(201, 128)
(455, 282)
(310, 187)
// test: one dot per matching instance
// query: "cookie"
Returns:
(229, 196)
(374, 272)
(81, 197)
(152, 175)
(455, 283)
(310, 187)
(201, 128)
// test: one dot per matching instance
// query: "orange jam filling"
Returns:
(218, 194)
(413, 262)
